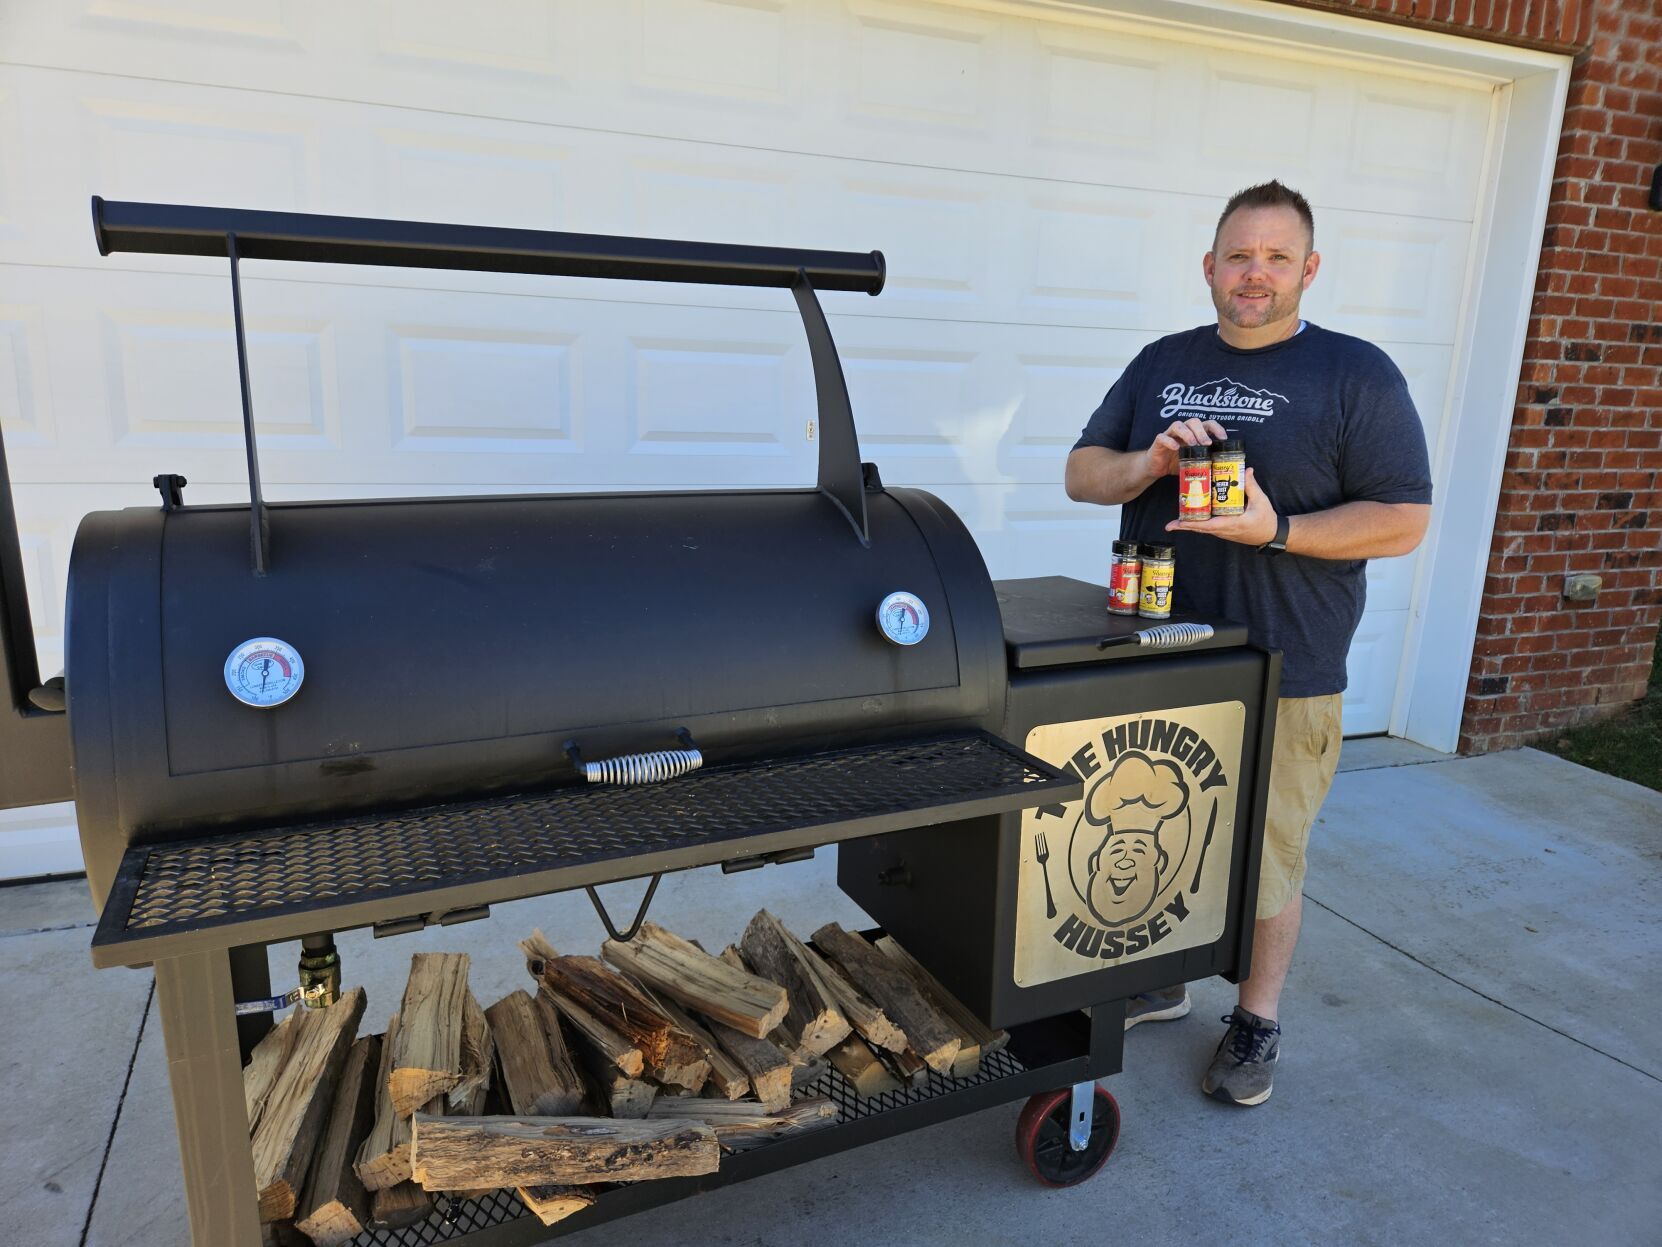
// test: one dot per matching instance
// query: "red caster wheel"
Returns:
(1042, 1137)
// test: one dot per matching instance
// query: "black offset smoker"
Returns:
(290, 720)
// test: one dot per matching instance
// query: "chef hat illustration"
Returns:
(1139, 794)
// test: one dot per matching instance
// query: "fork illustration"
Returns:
(1042, 851)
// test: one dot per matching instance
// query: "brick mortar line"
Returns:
(1482, 994)
(104, 1161)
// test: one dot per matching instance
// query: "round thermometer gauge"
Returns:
(904, 618)
(264, 672)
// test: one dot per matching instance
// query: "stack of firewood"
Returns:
(646, 1062)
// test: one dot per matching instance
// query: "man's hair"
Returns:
(1271, 194)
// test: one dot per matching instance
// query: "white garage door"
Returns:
(1043, 187)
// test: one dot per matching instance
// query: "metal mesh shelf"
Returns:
(452, 1219)
(509, 847)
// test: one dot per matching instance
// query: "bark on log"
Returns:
(813, 1021)
(928, 1034)
(855, 1061)
(534, 1087)
(534, 1151)
(587, 990)
(979, 1039)
(615, 1047)
(906, 1066)
(559, 1050)
(551, 1203)
(427, 1059)
(335, 1207)
(669, 964)
(739, 1124)
(721, 1073)
(295, 1107)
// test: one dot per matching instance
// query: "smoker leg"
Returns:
(1107, 1038)
(251, 980)
(204, 1066)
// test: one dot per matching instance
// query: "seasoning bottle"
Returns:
(1228, 476)
(1159, 576)
(1125, 579)
(1194, 483)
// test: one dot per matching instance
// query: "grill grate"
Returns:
(453, 1218)
(262, 873)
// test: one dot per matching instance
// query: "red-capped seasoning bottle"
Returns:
(1125, 579)
(1194, 483)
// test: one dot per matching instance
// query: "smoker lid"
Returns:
(1051, 621)
(284, 882)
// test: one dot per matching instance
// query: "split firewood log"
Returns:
(813, 1021)
(383, 1159)
(677, 968)
(427, 1057)
(739, 1123)
(455, 1152)
(478, 1060)
(293, 1106)
(335, 1207)
(979, 1039)
(928, 1034)
(551, 1203)
(399, 1205)
(534, 1086)
(855, 1061)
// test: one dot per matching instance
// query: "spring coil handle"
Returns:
(642, 768)
(1169, 636)
(1161, 636)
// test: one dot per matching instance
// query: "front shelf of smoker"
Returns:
(1041, 1056)
(281, 883)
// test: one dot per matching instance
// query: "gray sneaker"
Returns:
(1165, 1005)
(1243, 1071)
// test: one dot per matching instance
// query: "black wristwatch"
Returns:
(1278, 543)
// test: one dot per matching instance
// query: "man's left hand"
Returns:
(1253, 527)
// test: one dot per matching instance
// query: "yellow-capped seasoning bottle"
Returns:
(1229, 476)
(1159, 577)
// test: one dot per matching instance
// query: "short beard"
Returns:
(1276, 307)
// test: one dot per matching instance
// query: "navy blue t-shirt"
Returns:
(1326, 419)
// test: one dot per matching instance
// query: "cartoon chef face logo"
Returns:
(1119, 863)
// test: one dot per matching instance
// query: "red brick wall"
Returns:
(1582, 490)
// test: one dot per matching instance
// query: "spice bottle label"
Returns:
(1228, 494)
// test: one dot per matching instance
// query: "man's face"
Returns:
(1260, 265)
(1127, 877)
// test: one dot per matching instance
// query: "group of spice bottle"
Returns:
(1141, 580)
(1210, 480)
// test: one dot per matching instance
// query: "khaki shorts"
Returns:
(1306, 755)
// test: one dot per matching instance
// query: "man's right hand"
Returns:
(1161, 457)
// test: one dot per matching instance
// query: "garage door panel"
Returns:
(747, 49)
(468, 175)
(26, 407)
(1390, 280)
(1033, 530)
(566, 68)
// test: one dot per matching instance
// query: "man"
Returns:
(1337, 474)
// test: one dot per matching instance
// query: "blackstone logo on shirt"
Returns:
(1141, 865)
(1224, 400)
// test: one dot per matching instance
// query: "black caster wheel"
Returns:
(1042, 1137)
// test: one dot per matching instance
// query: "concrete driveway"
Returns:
(1472, 1051)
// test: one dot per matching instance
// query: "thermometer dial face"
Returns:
(264, 672)
(904, 618)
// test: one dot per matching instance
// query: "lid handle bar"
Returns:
(239, 233)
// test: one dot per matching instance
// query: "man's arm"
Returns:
(1351, 530)
(1110, 477)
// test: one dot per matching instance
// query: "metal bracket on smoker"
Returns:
(782, 858)
(640, 914)
(439, 918)
(1079, 1115)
